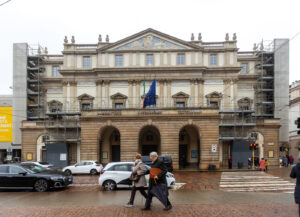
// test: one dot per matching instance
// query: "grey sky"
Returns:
(47, 22)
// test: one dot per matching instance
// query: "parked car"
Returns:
(84, 167)
(31, 176)
(116, 175)
(166, 159)
(44, 164)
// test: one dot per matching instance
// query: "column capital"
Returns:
(106, 82)
(99, 82)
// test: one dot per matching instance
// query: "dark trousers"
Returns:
(230, 165)
(133, 191)
(149, 200)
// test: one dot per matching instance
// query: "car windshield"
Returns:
(34, 168)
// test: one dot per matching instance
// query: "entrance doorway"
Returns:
(189, 147)
(109, 145)
(149, 140)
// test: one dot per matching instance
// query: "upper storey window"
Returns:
(244, 68)
(55, 72)
(86, 62)
(119, 60)
(149, 60)
(213, 60)
(180, 59)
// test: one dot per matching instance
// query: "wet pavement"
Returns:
(200, 196)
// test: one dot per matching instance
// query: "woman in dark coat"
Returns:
(295, 174)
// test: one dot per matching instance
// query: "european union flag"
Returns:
(150, 97)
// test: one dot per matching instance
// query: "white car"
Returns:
(44, 164)
(84, 167)
(116, 175)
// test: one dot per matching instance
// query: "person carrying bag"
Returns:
(138, 179)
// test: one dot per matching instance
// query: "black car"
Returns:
(166, 159)
(31, 176)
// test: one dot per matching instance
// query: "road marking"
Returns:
(254, 182)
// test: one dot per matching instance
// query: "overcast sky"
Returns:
(46, 22)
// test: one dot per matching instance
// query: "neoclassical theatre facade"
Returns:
(205, 102)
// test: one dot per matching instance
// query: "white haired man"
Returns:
(159, 178)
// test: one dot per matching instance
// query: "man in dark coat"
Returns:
(295, 173)
(160, 178)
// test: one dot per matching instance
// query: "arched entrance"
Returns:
(109, 145)
(41, 151)
(189, 147)
(149, 140)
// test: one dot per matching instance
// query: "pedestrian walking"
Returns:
(291, 160)
(230, 162)
(284, 161)
(158, 173)
(249, 163)
(267, 165)
(256, 162)
(262, 164)
(138, 179)
(295, 174)
(287, 160)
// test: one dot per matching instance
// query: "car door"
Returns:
(88, 166)
(123, 172)
(20, 178)
(78, 168)
(3, 176)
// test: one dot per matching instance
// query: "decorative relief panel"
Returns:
(149, 42)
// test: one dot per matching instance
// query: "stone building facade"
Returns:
(294, 114)
(206, 94)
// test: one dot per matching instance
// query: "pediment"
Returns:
(54, 102)
(180, 95)
(150, 39)
(118, 96)
(214, 94)
(85, 97)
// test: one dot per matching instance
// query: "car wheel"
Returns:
(109, 185)
(41, 185)
(93, 172)
(68, 172)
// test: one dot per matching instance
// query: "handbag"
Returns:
(134, 177)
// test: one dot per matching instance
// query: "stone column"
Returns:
(192, 86)
(106, 84)
(134, 102)
(235, 95)
(200, 93)
(161, 93)
(65, 99)
(98, 94)
(168, 93)
(73, 96)
(196, 93)
(138, 94)
(130, 93)
(227, 95)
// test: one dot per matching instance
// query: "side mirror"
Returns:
(23, 173)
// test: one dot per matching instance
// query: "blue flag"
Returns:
(150, 98)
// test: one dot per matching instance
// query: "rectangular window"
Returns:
(180, 59)
(149, 60)
(55, 72)
(85, 106)
(213, 60)
(244, 68)
(86, 62)
(118, 105)
(119, 60)
(180, 104)
(213, 104)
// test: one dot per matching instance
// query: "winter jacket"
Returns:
(295, 173)
(139, 169)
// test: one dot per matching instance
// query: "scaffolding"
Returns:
(35, 93)
(264, 95)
